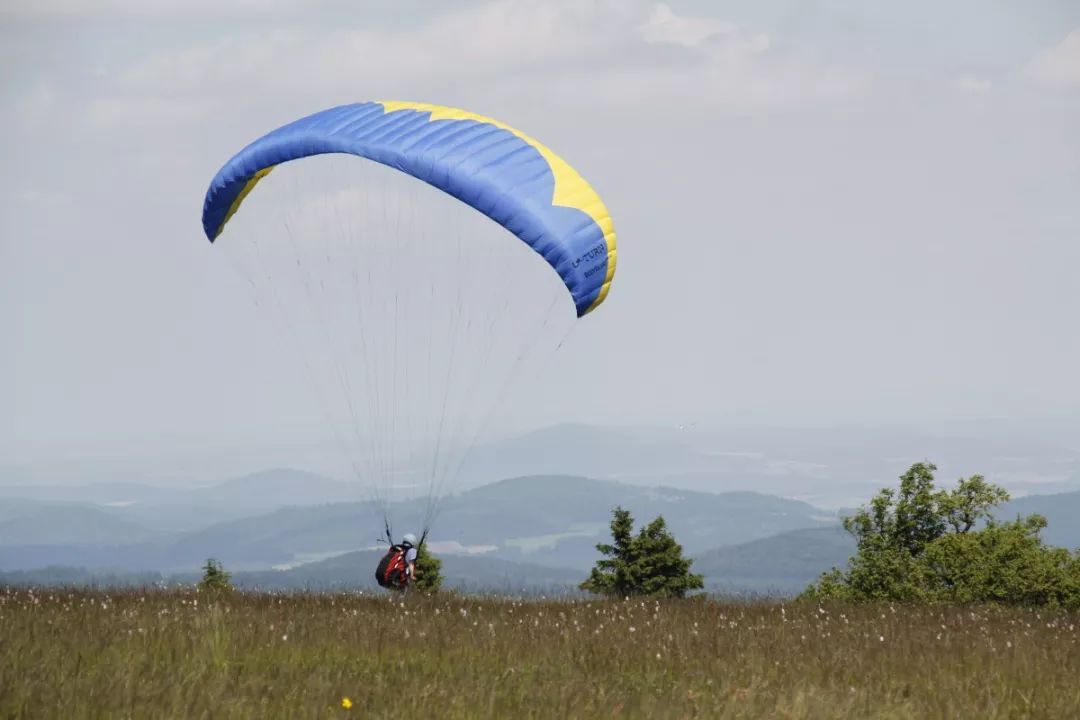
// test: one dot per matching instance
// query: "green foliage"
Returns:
(215, 579)
(650, 563)
(428, 571)
(920, 543)
(970, 502)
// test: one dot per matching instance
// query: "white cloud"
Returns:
(974, 85)
(664, 26)
(606, 50)
(1059, 67)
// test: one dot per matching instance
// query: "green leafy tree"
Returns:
(920, 543)
(1005, 563)
(215, 579)
(650, 563)
(971, 501)
(917, 514)
(428, 571)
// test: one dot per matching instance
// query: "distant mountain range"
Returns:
(522, 533)
(557, 520)
(552, 521)
(283, 525)
(34, 522)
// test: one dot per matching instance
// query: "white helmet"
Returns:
(409, 538)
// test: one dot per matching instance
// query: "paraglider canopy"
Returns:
(412, 317)
(501, 172)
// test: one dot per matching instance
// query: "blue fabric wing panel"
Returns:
(488, 167)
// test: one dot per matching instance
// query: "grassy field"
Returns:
(159, 654)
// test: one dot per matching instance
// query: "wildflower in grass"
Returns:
(346, 703)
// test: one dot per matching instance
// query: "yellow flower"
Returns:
(346, 703)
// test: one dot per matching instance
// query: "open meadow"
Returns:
(181, 654)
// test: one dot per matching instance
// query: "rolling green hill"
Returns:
(554, 521)
(31, 522)
(782, 564)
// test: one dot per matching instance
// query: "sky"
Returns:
(828, 211)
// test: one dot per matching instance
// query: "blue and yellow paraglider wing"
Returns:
(503, 173)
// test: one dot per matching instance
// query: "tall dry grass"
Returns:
(161, 654)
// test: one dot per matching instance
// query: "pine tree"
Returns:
(428, 571)
(650, 563)
(215, 579)
(614, 575)
(662, 569)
